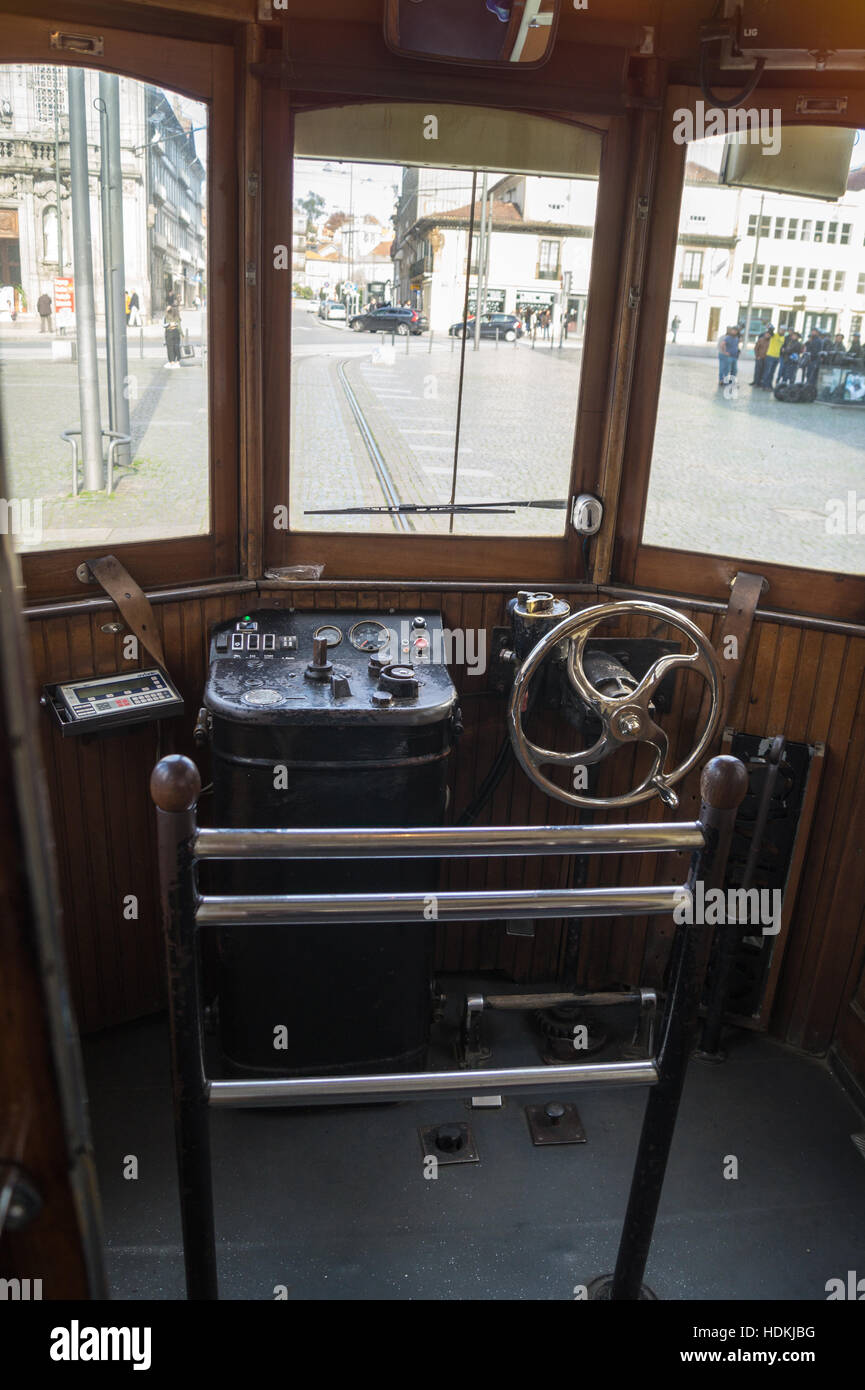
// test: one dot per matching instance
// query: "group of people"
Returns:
(45, 309)
(171, 322)
(537, 319)
(785, 354)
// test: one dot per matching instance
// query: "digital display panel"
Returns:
(98, 692)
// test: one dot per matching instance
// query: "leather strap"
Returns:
(738, 621)
(132, 602)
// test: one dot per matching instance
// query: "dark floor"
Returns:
(333, 1204)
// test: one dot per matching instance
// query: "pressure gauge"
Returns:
(369, 636)
(332, 635)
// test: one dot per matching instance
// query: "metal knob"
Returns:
(449, 1138)
(399, 681)
(554, 1111)
(319, 669)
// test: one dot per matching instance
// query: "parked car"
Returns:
(389, 319)
(331, 309)
(506, 326)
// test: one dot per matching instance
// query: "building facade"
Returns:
(536, 242)
(804, 257)
(163, 192)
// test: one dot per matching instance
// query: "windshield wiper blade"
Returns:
(504, 508)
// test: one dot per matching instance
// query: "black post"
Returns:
(175, 786)
(722, 786)
(730, 935)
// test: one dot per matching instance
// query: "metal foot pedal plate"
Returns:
(555, 1123)
(453, 1143)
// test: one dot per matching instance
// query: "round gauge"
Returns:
(262, 696)
(369, 636)
(331, 634)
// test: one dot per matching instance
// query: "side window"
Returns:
(759, 448)
(103, 294)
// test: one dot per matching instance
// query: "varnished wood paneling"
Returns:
(806, 684)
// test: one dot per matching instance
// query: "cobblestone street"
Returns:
(407, 394)
(751, 476)
(163, 493)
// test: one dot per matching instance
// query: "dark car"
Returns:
(389, 319)
(506, 326)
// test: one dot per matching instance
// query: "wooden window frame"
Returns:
(383, 556)
(204, 71)
(818, 593)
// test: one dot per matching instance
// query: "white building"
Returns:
(356, 251)
(163, 190)
(807, 263)
(539, 245)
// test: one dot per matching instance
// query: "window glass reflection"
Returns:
(103, 288)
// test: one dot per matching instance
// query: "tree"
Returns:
(335, 221)
(313, 205)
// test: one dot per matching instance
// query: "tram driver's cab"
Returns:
(432, 444)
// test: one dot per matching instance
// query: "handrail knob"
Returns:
(175, 783)
(723, 783)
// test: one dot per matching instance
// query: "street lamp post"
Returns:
(753, 275)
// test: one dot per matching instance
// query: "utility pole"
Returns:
(85, 313)
(753, 274)
(113, 260)
(482, 242)
(57, 183)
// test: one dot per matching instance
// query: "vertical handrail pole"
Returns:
(175, 786)
(722, 787)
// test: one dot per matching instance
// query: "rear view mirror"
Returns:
(486, 33)
(813, 161)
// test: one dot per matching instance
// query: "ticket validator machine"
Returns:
(323, 720)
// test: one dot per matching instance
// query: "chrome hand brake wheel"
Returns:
(624, 718)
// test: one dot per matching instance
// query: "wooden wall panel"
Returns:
(808, 684)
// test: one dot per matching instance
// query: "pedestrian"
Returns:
(791, 354)
(133, 313)
(811, 360)
(44, 308)
(126, 304)
(760, 347)
(773, 357)
(546, 323)
(675, 325)
(173, 327)
(728, 356)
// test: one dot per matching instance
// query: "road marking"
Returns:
(440, 449)
(430, 431)
(462, 472)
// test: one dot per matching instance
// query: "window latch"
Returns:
(78, 43)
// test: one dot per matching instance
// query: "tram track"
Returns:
(391, 496)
